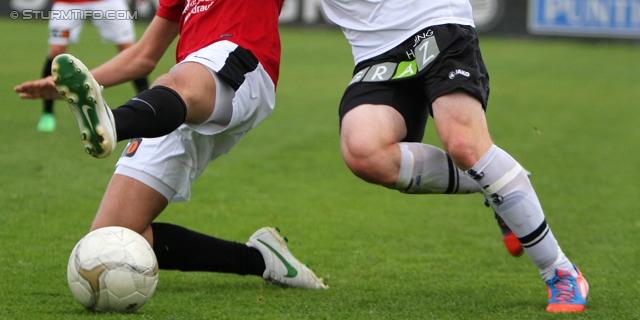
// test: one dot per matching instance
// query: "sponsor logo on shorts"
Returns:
(456, 72)
(57, 33)
(418, 59)
(132, 147)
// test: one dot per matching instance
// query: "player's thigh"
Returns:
(129, 203)
(462, 127)
(378, 114)
(370, 127)
(196, 86)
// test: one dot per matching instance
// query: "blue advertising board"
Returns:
(590, 18)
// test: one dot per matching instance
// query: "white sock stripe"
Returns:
(406, 168)
(147, 103)
(500, 183)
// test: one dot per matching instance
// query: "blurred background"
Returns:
(596, 19)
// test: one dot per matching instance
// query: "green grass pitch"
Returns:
(567, 110)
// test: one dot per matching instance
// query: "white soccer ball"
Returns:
(112, 269)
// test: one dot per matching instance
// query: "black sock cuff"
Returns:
(163, 93)
(151, 113)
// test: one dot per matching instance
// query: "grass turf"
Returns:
(567, 110)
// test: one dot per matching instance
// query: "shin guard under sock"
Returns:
(152, 113)
(507, 186)
(425, 169)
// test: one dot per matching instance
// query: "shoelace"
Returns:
(564, 286)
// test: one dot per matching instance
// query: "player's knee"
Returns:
(369, 166)
(462, 152)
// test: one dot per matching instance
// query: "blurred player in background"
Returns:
(63, 33)
(415, 59)
(223, 85)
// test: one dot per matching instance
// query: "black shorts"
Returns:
(435, 61)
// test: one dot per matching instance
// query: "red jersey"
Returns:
(251, 24)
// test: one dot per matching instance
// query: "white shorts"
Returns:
(170, 164)
(110, 20)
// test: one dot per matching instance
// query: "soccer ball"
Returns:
(112, 269)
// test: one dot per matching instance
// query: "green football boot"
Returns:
(77, 86)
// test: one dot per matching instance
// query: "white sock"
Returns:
(506, 184)
(427, 169)
(562, 262)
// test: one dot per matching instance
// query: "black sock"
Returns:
(152, 113)
(47, 106)
(178, 248)
(141, 84)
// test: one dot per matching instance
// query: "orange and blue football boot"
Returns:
(566, 292)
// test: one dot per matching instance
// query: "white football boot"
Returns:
(282, 267)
